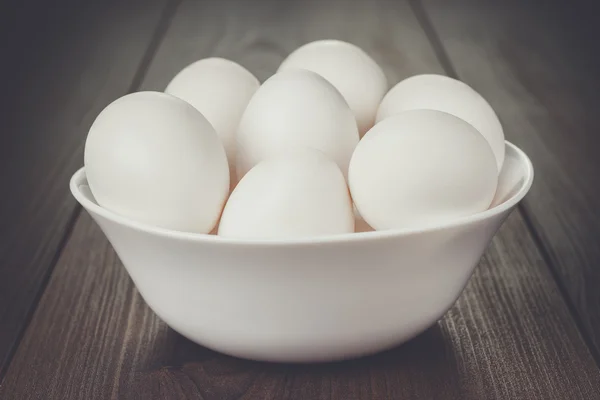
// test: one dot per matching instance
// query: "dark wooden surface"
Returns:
(523, 329)
(72, 59)
(538, 68)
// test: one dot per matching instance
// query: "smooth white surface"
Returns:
(220, 89)
(295, 109)
(350, 69)
(301, 193)
(438, 92)
(306, 299)
(421, 168)
(155, 159)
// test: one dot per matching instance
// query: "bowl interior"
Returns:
(515, 175)
(514, 182)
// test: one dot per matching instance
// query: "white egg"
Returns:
(421, 168)
(154, 158)
(220, 89)
(438, 92)
(292, 109)
(300, 193)
(347, 67)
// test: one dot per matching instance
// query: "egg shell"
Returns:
(300, 193)
(294, 109)
(220, 89)
(350, 69)
(442, 93)
(154, 158)
(421, 168)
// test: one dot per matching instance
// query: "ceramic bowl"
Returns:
(307, 300)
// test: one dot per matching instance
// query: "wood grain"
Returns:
(538, 68)
(83, 56)
(510, 334)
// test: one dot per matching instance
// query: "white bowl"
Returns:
(307, 300)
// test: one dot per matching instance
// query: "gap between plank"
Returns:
(159, 34)
(440, 52)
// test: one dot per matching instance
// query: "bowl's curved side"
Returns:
(302, 304)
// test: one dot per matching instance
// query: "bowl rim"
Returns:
(528, 173)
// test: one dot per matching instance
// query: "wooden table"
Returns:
(72, 324)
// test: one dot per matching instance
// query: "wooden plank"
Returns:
(537, 66)
(81, 59)
(509, 336)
